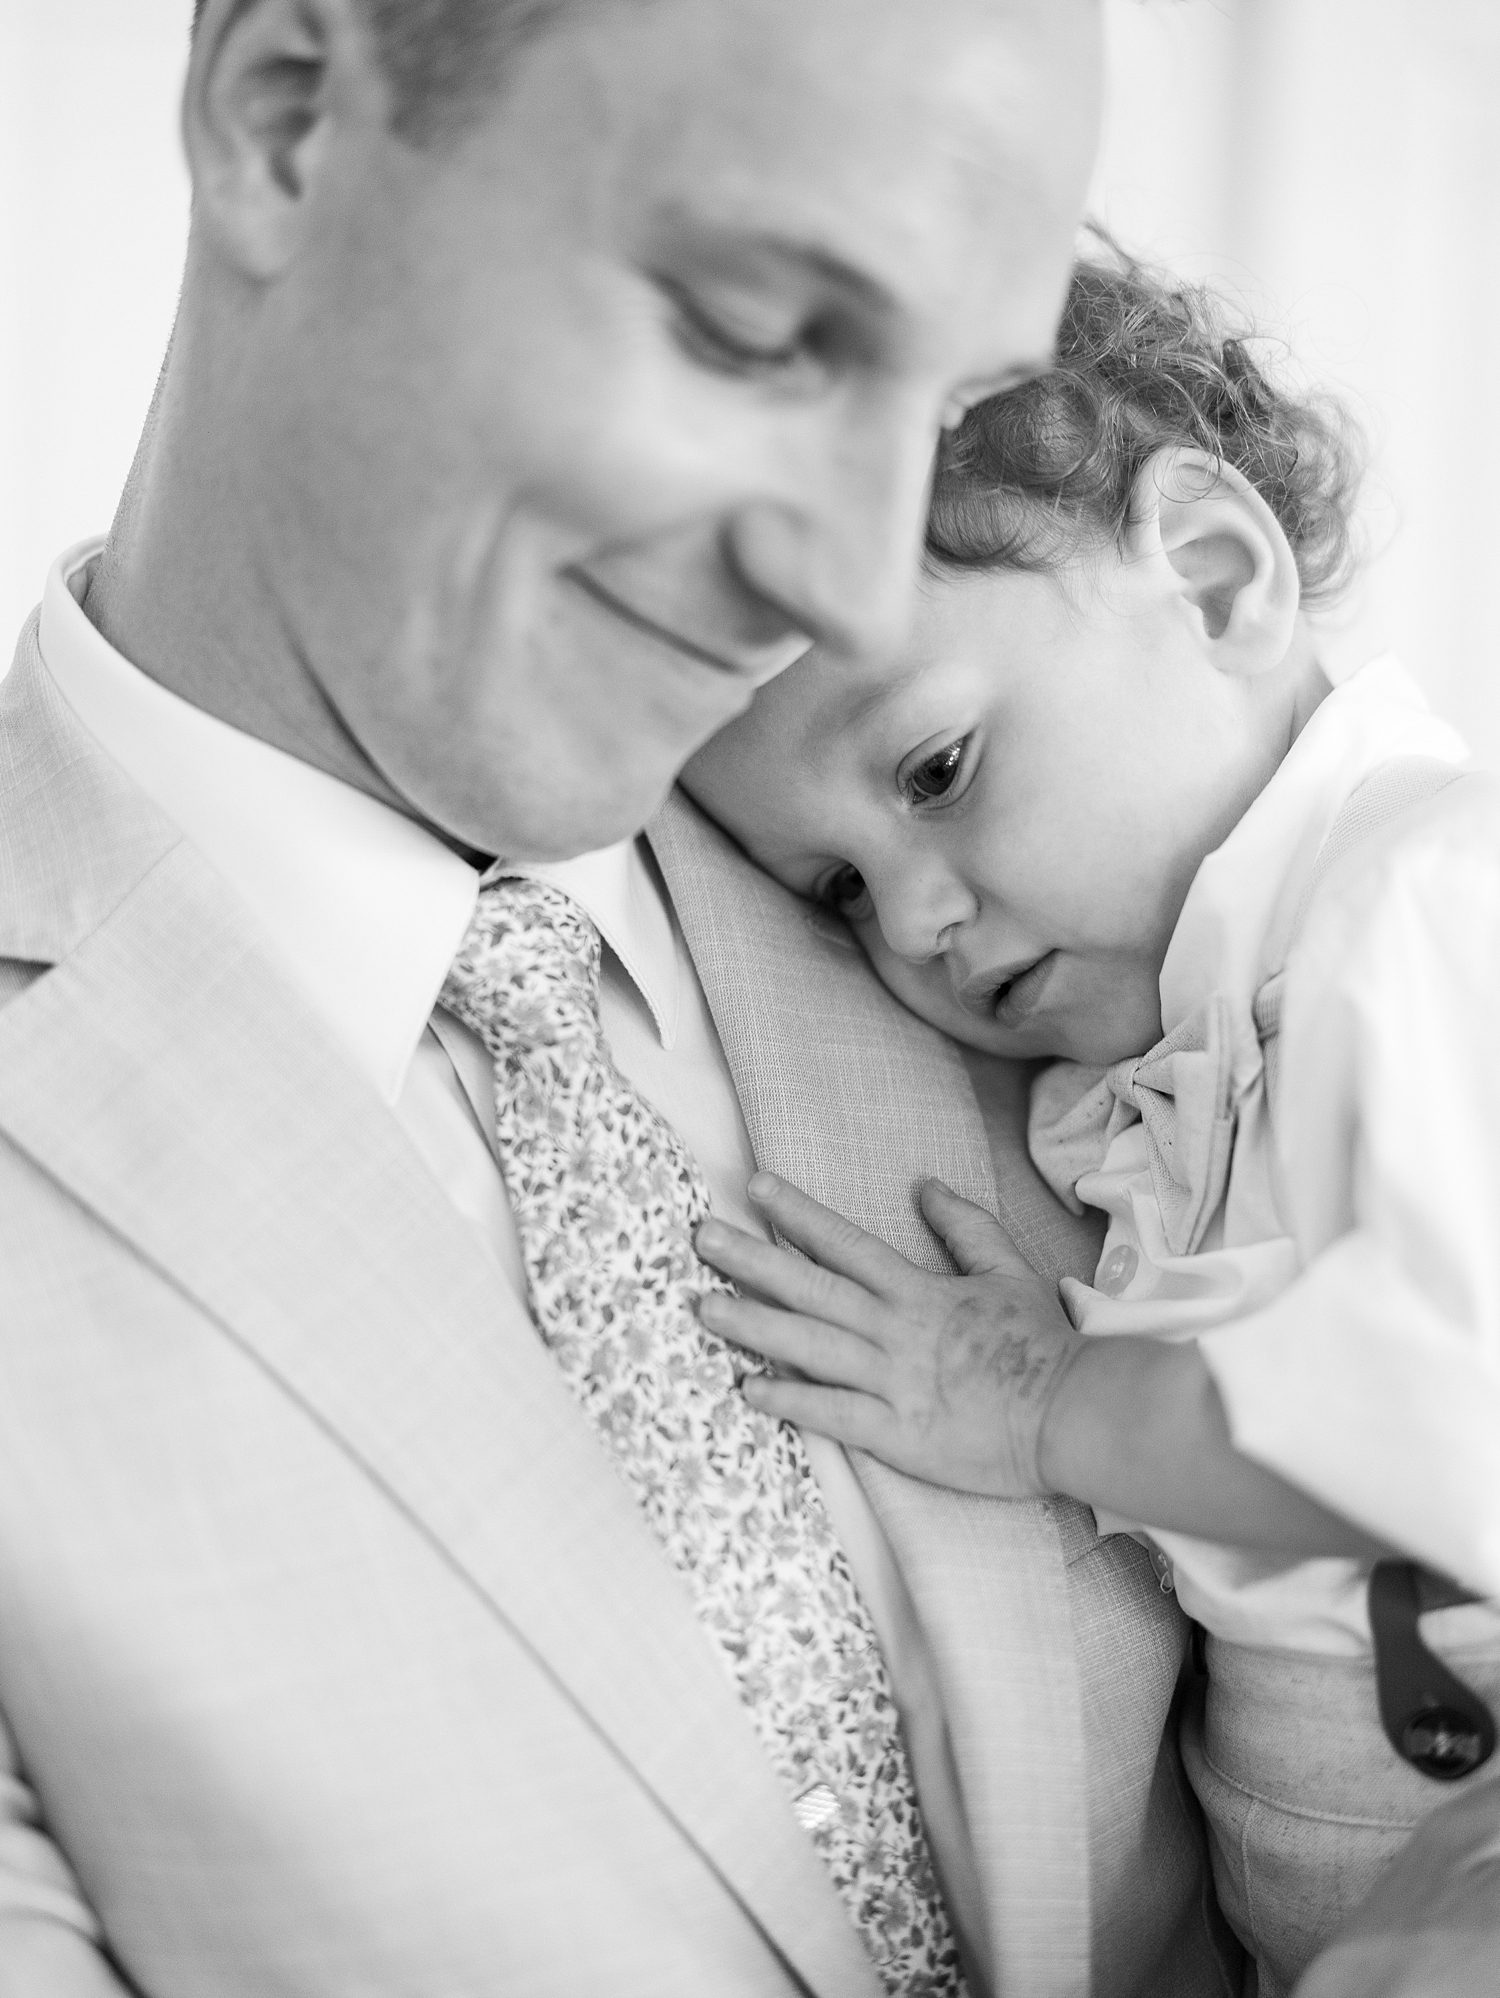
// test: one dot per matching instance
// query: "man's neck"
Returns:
(178, 592)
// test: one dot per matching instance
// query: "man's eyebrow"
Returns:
(830, 266)
(725, 240)
(720, 238)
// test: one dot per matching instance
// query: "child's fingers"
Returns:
(827, 1237)
(826, 1353)
(977, 1242)
(842, 1413)
(786, 1279)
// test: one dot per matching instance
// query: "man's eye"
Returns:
(845, 893)
(733, 349)
(935, 775)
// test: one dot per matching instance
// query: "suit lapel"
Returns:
(849, 1096)
(164, 1074)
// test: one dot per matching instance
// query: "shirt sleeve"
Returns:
(1373, 1381)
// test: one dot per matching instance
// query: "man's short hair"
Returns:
(442, 58)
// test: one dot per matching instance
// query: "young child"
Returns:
(1100, 811)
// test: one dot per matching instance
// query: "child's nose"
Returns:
(921, 917)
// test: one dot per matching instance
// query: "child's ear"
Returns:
(1226, 552)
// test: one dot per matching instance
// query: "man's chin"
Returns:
(562, 831)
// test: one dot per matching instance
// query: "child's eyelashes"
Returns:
(844, 892)
(931, 775)
(935, 773)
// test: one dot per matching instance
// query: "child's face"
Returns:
(1010, 814)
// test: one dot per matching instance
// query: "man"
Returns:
(546, 377)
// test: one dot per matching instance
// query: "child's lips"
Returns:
(1013, 1001)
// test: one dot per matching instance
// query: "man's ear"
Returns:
(267, 82)
(1228, 553)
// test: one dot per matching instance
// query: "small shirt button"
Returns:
(1117, 1269)
(1442, 1743)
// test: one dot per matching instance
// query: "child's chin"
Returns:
(1056, 1037)
(1120, 1038)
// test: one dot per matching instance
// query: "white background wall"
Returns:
(1333, 161)
(93, 218)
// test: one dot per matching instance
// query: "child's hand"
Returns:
(947, 1377)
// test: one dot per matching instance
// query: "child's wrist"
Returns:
(1065, 1399)
(1125, 1421)
(1108, 1406)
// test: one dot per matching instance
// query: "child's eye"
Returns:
(935, 775)
(844, 892)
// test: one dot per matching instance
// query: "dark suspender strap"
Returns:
(1431, 1718)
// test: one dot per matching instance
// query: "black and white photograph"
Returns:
(749, 964)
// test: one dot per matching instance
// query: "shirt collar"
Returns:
(364, 908)
(618, 891)
(1235, 923)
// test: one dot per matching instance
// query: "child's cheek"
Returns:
(925, 989)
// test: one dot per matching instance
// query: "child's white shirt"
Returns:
(1346, 1294)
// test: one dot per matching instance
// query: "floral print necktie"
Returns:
(607, 1201)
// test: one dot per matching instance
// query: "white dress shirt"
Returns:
(1347, 1298)
(364, 910)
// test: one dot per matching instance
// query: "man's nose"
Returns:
(839, 551)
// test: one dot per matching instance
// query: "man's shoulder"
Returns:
(838, 1080)
(76, 834)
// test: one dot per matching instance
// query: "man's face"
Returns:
(574, 430)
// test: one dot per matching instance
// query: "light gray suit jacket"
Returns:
(334, 1657)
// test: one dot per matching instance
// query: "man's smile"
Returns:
(753, 665)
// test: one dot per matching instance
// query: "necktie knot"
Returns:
(526, 975)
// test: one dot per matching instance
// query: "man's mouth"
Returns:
(1011, 999)
(753, 666)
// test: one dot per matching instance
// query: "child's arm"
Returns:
(979, 1380)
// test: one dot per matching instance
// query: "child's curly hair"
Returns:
(1035, 476)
